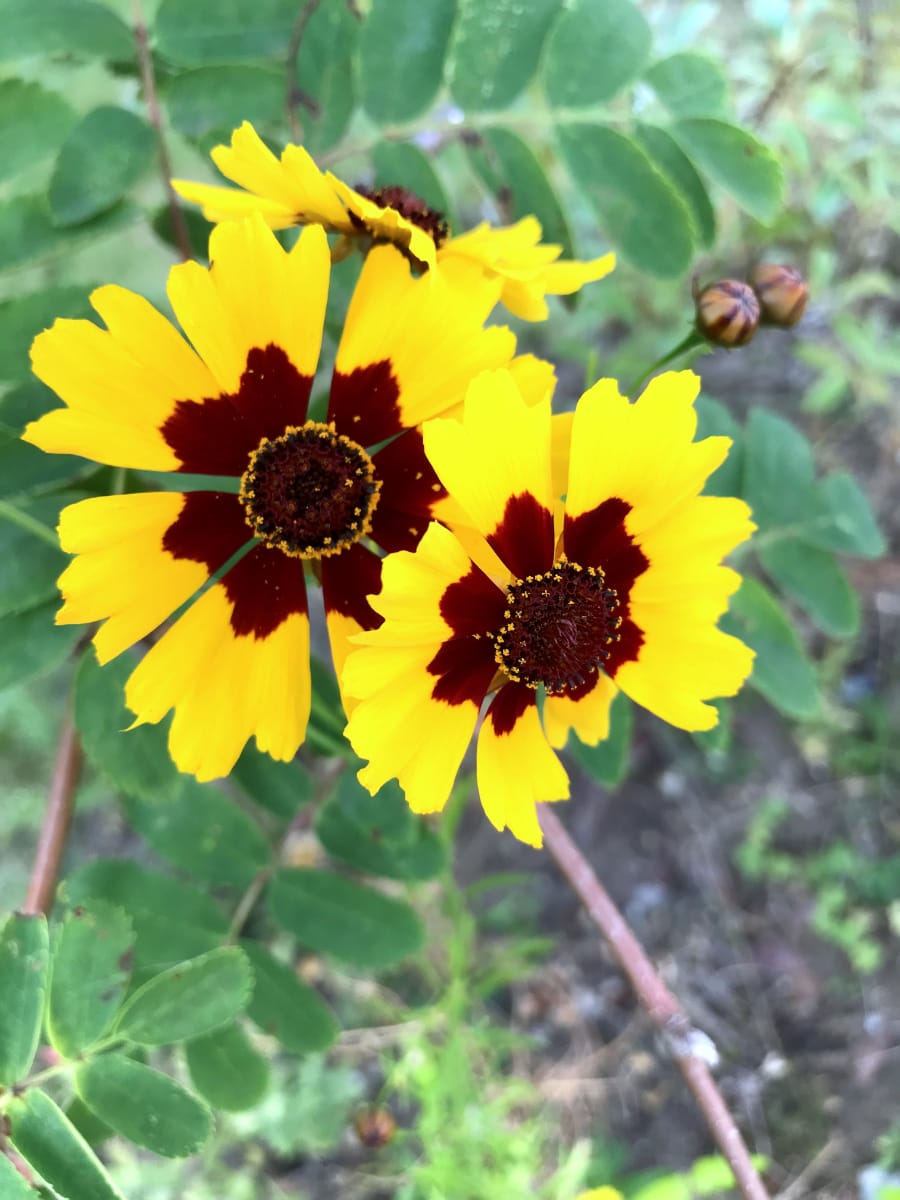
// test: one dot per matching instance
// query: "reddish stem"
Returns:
(154, 112)
(663, 1009)
(66, 773)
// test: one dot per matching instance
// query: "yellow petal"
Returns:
(587, 717)
(122, 574)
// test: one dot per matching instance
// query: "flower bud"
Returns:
(375, 1127)
(727, 313)
(781, 291)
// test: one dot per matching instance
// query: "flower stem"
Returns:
(148, 79)
(693, 341)
(66, 772)
(687, 1044)
(25, 520)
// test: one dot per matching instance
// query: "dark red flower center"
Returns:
(410, 206)
(559, 627)
(310, 492)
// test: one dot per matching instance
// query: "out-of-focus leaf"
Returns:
(48, 1141)
(23, 318)
(135, 760)
(812, 578)
(668, 157)
(282, 788)
(24, 468)
(336, 916)
(212, 98)
(378, 834)
(608, 761)
(781, 670)
(24, 403)
(189, 1000)
(847, 524)
(27, 233)
(227, 1070)
(495, 50)
(325, 75)
(172, 921)
(690, 84)
(714, 420)
(92, 958)
(203, 832)
(13, 1184)
(224, 31)
(69, 27)
(779, 473)
(639, 210)
(198, 229)
(143, 1105)
(24, 961)
(29, 565)
(107, 152)
(32, 644)
(509, 167)
(593, 50)
(403, 40)
(285, 1007)
(33, 123)
(736, 160)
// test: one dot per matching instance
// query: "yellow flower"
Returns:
(621, 591)
(291, 190)
(282, 493)
(601, 1193)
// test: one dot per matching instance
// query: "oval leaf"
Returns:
(690, 85)
(336, 916)
(172, 921)
(33, 645)
(223, 31)
(213, 98)
(403, 40)
(593, 50)
(107, 152)
(24, 961)
(27, 233)
(143, 1105)
(779, 473)
(92, 958)
(29, 564)
(326, 75)
(813, 579)
(282, 788)
(510, 169)
(227, 1070)
(640, 211)
(495, 50)
(285, 1007)
(13, 1184)
(736, 160)
(189, 1000)
(781, 671)
(135, 760)
(48, 1141)
(204, 833)
(79, 27)
(33, 123)
(847, 524)
(668, 157)
(608, 761)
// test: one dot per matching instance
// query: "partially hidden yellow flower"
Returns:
(601, 1193)
(620, 587)
(292, 190)
(283, 496)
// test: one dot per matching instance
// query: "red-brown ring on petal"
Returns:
(347, 580)
(524, 536)
(557, 628)
(473, 605)
(309, 493)
(598, 538)
(410, 206)
(465, 668)
(508, 706)
(216, 436)
(209, 529)
(409, 490)
(365, 404)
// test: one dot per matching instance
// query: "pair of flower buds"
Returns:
(729, 312)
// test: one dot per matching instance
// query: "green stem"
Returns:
(26, 521)
(693, 341)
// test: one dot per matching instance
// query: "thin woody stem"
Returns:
(148, 79)
(52, 841)
(661, 1006)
